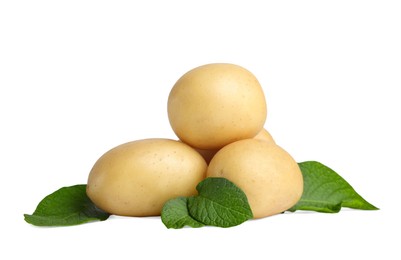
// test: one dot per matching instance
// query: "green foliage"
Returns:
(66, 207)
(326, 191)
(219, 203)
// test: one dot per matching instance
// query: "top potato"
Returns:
(216, 104)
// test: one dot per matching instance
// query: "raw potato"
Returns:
(264, 135)
(216, 104)
(137, 178)
(267, 174)
(208, 154)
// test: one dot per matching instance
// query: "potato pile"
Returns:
(218, 112)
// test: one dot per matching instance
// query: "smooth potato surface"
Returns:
(208, 154)
(264, 135)
(216, 104)
(267, 174)
(137, 178)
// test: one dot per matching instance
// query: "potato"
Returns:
(208, 154)
(216, 104)
(264, 135)
(267, 174)
(137, 178)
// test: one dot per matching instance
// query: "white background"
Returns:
(80, 77)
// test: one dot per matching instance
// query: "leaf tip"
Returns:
(373, 207)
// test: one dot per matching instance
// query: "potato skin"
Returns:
(267, 174)
(137, 178)
(208, 154)
(216, 104)
(264, 135)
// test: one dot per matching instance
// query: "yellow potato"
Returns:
(264, 135)
(137, 178)
(208, 154)
(267, 174)
(216, 104)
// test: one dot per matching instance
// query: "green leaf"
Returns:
(175, 214)
(65, 207)
(326, 191)
(219, 203)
